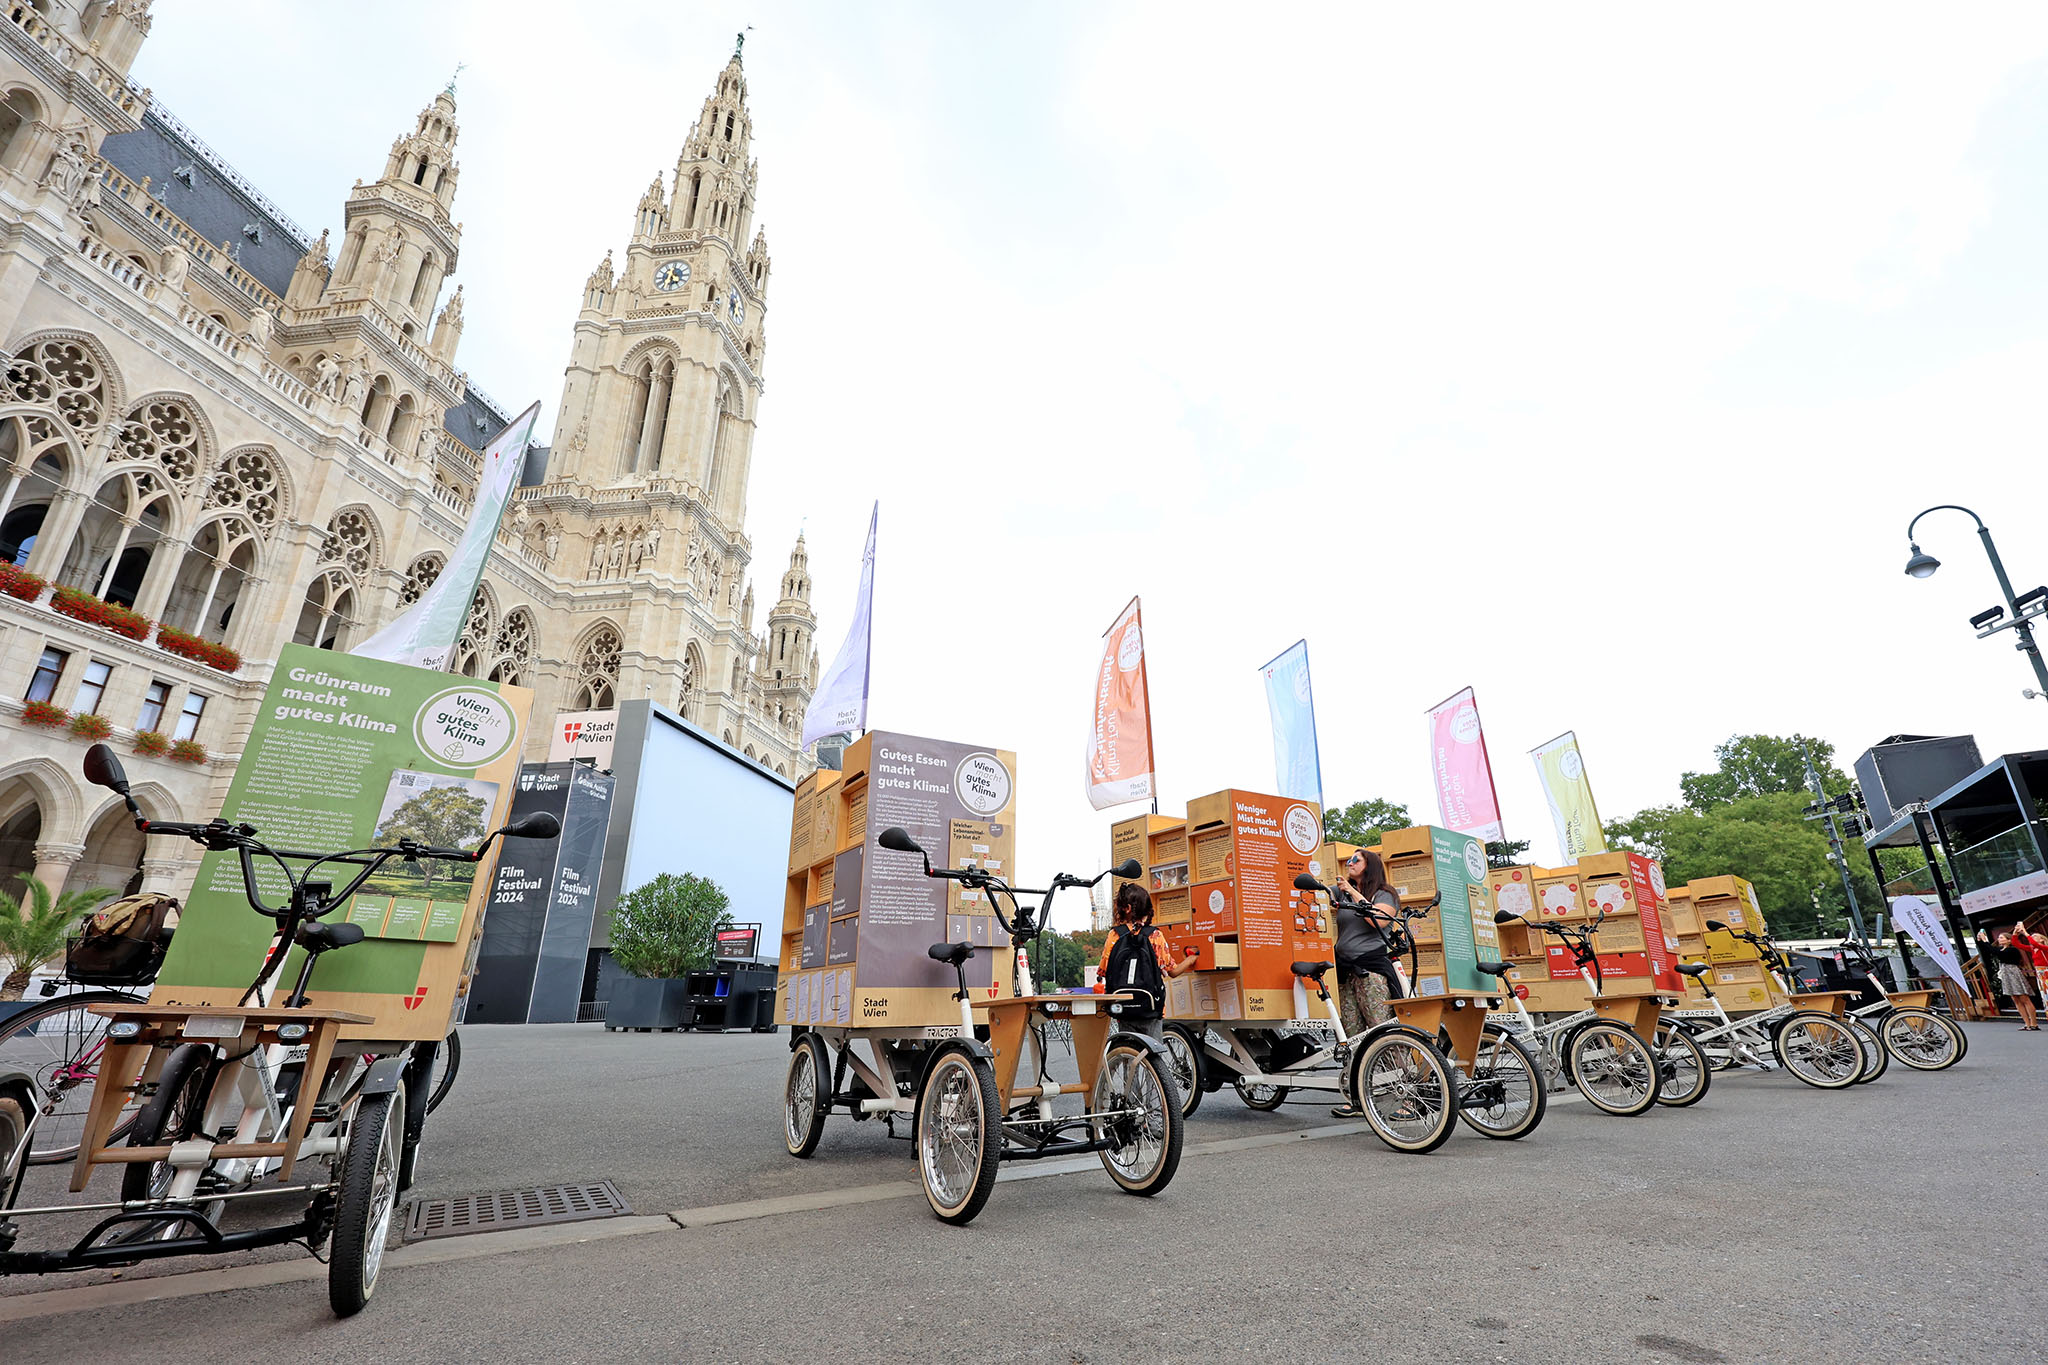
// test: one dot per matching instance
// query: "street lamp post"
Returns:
(1923, 566)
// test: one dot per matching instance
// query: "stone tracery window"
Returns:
(247, 479)
(512, 647)
(351, 542)
(64, 374)
(597, 669)
(162, 432)
(476, 633)
(419, 578)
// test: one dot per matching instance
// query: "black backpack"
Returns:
(1134, 970)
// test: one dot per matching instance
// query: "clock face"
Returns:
(736, 306)
(673, 275)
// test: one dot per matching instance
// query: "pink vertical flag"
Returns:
(1465, 799)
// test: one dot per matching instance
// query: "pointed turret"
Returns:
(401, 243)
(792, 623)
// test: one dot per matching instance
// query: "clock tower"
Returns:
(646, 487)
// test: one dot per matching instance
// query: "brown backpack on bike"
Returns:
(123, 943)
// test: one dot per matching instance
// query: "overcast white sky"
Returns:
(1595, 357)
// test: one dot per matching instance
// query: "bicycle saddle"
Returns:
(318, 938)
(1694, 968)
(952, 954)
(1311, 969)
(1492, 968)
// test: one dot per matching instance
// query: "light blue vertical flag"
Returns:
(840, 705)
(1297, 763)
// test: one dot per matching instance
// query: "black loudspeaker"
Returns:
(1903, 769)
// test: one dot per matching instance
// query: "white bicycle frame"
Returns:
(1745, 1041)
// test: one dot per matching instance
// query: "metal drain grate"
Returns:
(513, 1209)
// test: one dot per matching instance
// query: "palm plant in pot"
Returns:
(663, 930)
(30, 939)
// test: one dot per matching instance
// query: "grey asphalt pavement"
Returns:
(1892, 1222)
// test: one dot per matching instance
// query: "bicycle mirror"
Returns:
(1304, 882)
(103, 769)
(898, 840)
(1717, 926)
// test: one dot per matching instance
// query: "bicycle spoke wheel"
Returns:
(1875, 1058)
(1186, 1047)
(447, 1062)
(958, 1135)
(1408, 1092)
(806, 1096)
(1259, 1096)
(57, 1044)
(1820, 1050)
(1615, 1069)
(172, 1115)
(1142, 1120)
(1921, 1039)
(1686, 1073)
(369, 1192)
(1504, 1096)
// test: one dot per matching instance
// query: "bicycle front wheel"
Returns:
(1504, 1098)
(1615, 1069)
(58, 1043)
(1407, 1091)
(1820, 1050)
(1186, 1046)
(369, 1192)
(1142, 1121)
(1921, 1039)
(1686, 1073)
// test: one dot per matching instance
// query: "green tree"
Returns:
(1758, 765)
(31, 938)
(1090, 942)
(669, 926)
(1506, 852)
(446, 817)
(1764, 839)
(1363, 822)
(1067, 959)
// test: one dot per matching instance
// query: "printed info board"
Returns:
(349, 753)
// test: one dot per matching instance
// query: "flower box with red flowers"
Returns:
(152, 743)
(86, 725)
(16, 582)
(188, 751)
(83, 606)
(198, 650)
(44, 714)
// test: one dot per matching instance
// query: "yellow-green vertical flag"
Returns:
(1563, 774)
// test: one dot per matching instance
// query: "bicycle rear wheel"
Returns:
(1684, 1067)
(1186, 1046)
(1921, 1039)
(1875, 1058)
(58, 1044)
(447, 1062)
(959, 1134)
(1408, 1092)
(1504, 1098)
(1820, 1050)
(1615, 1069)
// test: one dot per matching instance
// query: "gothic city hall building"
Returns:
(220, 434)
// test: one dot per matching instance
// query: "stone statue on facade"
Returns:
(70, 167)
(260, 324)
(327, 376)
(352, 382)
(554, 543)
(177, 265)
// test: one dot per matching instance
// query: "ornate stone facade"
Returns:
(247, 438)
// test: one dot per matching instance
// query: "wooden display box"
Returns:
(858, 919)
(1431, 862)
(1629, 888)
(1167, 872)
(1731, 900)
(1681, 916)
(1725, 947)
(1247, 921)
(1130, 839)
(1744, 986)
(1512, 889)
(1557, 895)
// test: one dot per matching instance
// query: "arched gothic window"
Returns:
(328, 617)
(351, 542)
(597, 670)
(162, 432)
(468, 657)
(247, 482)
(117, 538)
(419, 578)
(512, 647)
(64, 374)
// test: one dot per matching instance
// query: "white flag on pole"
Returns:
(1923, 923)
(425, 633)
(840, 705)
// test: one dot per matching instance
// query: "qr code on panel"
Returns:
(408, 780)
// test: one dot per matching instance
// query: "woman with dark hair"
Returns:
(1364, 903)
(1137, 937)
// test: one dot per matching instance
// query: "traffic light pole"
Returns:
(1835, 853)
